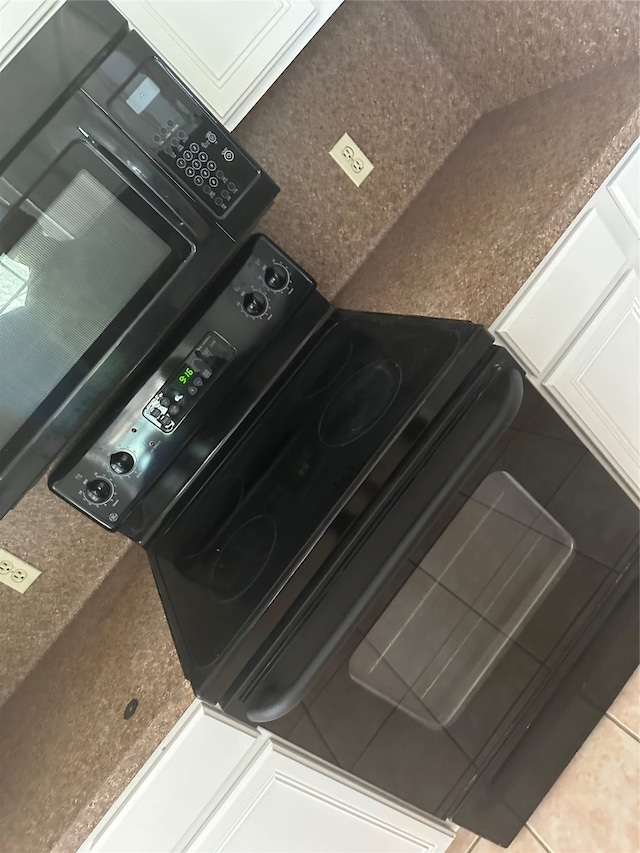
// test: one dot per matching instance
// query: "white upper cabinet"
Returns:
(19, 21)
(575, 324)
(217, 785)
(227, 51)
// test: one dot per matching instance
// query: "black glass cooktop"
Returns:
(242, 535)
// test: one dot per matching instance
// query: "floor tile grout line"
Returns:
(622, 726)
(538, 837)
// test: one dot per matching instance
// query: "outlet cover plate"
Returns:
(15, 573)
(351, 159)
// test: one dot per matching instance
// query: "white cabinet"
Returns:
(19, 21)
(228, 51)
(599, 382)
(177, 784)
(216, 785)
(575, 324)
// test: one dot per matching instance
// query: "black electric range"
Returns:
(372, 529)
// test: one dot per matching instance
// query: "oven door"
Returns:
(475, 627)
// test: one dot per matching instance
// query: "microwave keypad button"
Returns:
(225, 195)
(198, 181)
(192, 390)
(213, 182)
(164, 401)
(157, 138)
(196, 164)
(189, 172)
(203, 156)
(197, 381)
(174, 409)
(232, 187)
(220, 173)
(165, 420)
(211, 137)
(188, 155)
(205, 173)
(219, 202)
(212, 165)
(155, 413)
(194, 147)
(181, 162)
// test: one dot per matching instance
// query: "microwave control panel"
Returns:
(208, 372)
(175, 129)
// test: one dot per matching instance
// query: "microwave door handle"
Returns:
(141, 188)
(281, 681)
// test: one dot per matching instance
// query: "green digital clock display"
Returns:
(184, 376)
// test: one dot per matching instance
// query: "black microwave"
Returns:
(121, 198)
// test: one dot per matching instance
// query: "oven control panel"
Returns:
(113, 467)
(170, 404)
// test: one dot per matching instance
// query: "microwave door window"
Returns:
(70, 272)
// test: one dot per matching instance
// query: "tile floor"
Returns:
(595, 805)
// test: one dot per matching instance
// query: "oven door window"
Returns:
(80, 255)
(457, 617)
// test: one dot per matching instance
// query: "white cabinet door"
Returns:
(217, 785)
(599, 382)
(283, 804)
(20, 20)
(575, 324)
(181, 780)
(228, 51)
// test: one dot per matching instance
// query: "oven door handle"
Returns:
(287, 670)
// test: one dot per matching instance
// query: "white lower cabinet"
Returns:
(598, 380)
(216, 785)
(575, 323)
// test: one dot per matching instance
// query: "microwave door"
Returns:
(81, 254)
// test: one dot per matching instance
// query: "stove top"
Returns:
(241, 537)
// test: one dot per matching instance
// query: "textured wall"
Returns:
(502, 50)
(487, 218)
(369, 72)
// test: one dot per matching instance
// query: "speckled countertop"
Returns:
(455, 216)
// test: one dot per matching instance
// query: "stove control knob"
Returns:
(99, 491)
(255, 303)
(276, 277)
(122, 462)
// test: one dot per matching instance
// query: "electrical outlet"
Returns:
(15, 573)
(351, 159)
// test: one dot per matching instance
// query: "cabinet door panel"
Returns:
(282, 805)
(599, 378)
(19, 21)
(583, 266)
(228, 51)
(179, 780)
(625, 190)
